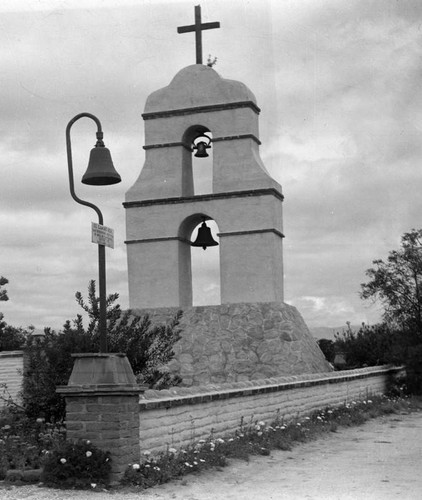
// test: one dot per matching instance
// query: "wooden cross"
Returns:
(198, 28)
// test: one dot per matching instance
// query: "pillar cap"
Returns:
(101, 370)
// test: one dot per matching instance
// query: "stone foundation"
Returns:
(240, 342)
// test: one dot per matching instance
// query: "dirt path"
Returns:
(380, 460)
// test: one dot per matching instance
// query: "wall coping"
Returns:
(100, 390)
(177, 396)
(11, 354)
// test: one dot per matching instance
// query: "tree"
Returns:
(397, 284)
(3, 293)
(11, 338)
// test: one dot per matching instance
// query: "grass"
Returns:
(255, 437)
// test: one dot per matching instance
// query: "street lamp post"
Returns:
(100, 172)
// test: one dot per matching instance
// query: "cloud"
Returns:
(338, 84)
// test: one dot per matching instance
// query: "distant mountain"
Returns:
(326, 332)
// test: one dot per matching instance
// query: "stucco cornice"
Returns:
(205, 197)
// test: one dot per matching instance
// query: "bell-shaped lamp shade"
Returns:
(100, 171)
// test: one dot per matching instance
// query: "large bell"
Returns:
(201, 149)
(100, 171)
(204, 238)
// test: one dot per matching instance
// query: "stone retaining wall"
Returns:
(181, 416)
(11, 369)
(240, 342)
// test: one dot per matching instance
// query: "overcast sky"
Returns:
(339, 87)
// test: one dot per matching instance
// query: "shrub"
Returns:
(327, 348)
(371, 345)
(24, 441)
(414, 369)
(49, 362)
(77, 465)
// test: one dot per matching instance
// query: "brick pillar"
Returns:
(102, 405)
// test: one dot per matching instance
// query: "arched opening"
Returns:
(199, 268)
(198, 161)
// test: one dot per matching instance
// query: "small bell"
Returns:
(201, 149)
(204, 238)
(100, 170)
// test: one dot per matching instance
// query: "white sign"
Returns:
(102, 235)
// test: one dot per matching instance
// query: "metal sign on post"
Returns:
(102, 235)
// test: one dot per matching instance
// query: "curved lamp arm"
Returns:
(70, 161)
(101, 248)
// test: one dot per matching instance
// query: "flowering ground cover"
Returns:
(258, 438)
(26, 444)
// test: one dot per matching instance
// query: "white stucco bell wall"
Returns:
(162, 209)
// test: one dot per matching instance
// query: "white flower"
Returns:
(63, 460)
(259, 433)
(202, 460)
(219, 440)
(147, 453)
(172, 450)
(136, 466)
(195, 463)
(88, 453)
(156, 468)
(40, 420)
(283, 427)
(261, 423)
(93, 485)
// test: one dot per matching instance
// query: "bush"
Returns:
(24, 441)
(77, 465)
(49, 362)
(328, 349)
(414, 370)
(372, 345)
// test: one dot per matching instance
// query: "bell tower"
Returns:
(162, 208)
(252, 333)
